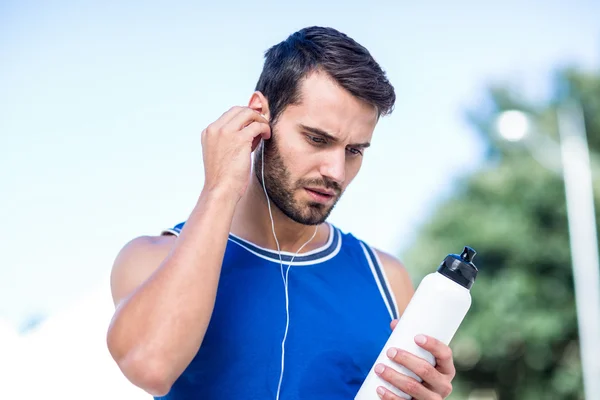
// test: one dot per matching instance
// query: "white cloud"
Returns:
(66, 356)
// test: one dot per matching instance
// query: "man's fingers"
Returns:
(244, 118)
(405, 383)
(256, 130)
(386, 394)
(432, 377)
(394, 323)
(236, 118)
(225, 118)
(441, 352)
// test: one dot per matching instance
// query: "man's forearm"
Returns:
(158, 329)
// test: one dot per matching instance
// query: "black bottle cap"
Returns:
(460, 268)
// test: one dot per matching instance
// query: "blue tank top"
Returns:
(340, 309)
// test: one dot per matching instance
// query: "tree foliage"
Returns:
(519, 338)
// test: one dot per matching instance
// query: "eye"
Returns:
(354, 151)
(316, 140)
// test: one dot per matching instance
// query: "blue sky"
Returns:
(102, 105)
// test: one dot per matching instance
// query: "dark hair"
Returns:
(322, 49)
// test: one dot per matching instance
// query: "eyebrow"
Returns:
(330, 137)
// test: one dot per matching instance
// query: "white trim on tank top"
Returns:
(379, 283)
(288, 253)
(387, 282)
(275, 257)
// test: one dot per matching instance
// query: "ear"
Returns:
(259, 102)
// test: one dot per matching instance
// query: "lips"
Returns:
(324, 192)
(321, 196)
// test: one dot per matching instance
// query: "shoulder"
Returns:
(398, 277)
(136, 261)
(145, 246)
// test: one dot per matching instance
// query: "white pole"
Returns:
(583, 241)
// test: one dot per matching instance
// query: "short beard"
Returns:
(281, 191)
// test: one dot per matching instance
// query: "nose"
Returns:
(333, 166)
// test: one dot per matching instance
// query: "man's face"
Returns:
(316, 150)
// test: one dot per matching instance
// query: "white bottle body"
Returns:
(437, 309)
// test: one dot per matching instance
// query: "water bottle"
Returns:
(436, 309)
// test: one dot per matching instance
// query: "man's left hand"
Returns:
(437, 380)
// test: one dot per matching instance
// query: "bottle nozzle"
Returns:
(460, 268)
(468, 254)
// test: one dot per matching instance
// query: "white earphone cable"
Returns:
(283, 277)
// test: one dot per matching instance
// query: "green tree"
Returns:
(519, 338)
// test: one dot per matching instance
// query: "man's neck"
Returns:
(252, 222)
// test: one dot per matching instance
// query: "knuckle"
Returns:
(251, 113)
(210, 130)
(447, 354)
(425, 372)
(411, 387)
(452, 374)
(253, 129)
(447, 390)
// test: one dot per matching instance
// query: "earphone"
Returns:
(285, 276)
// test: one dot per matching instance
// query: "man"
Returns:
(256, 296)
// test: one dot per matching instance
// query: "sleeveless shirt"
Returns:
(340, 307)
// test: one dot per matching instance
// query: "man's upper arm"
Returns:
(399, 279)
(136, 261)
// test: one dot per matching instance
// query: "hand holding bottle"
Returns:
(436, 380)
(416, 361)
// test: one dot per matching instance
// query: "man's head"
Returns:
(323, 94)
